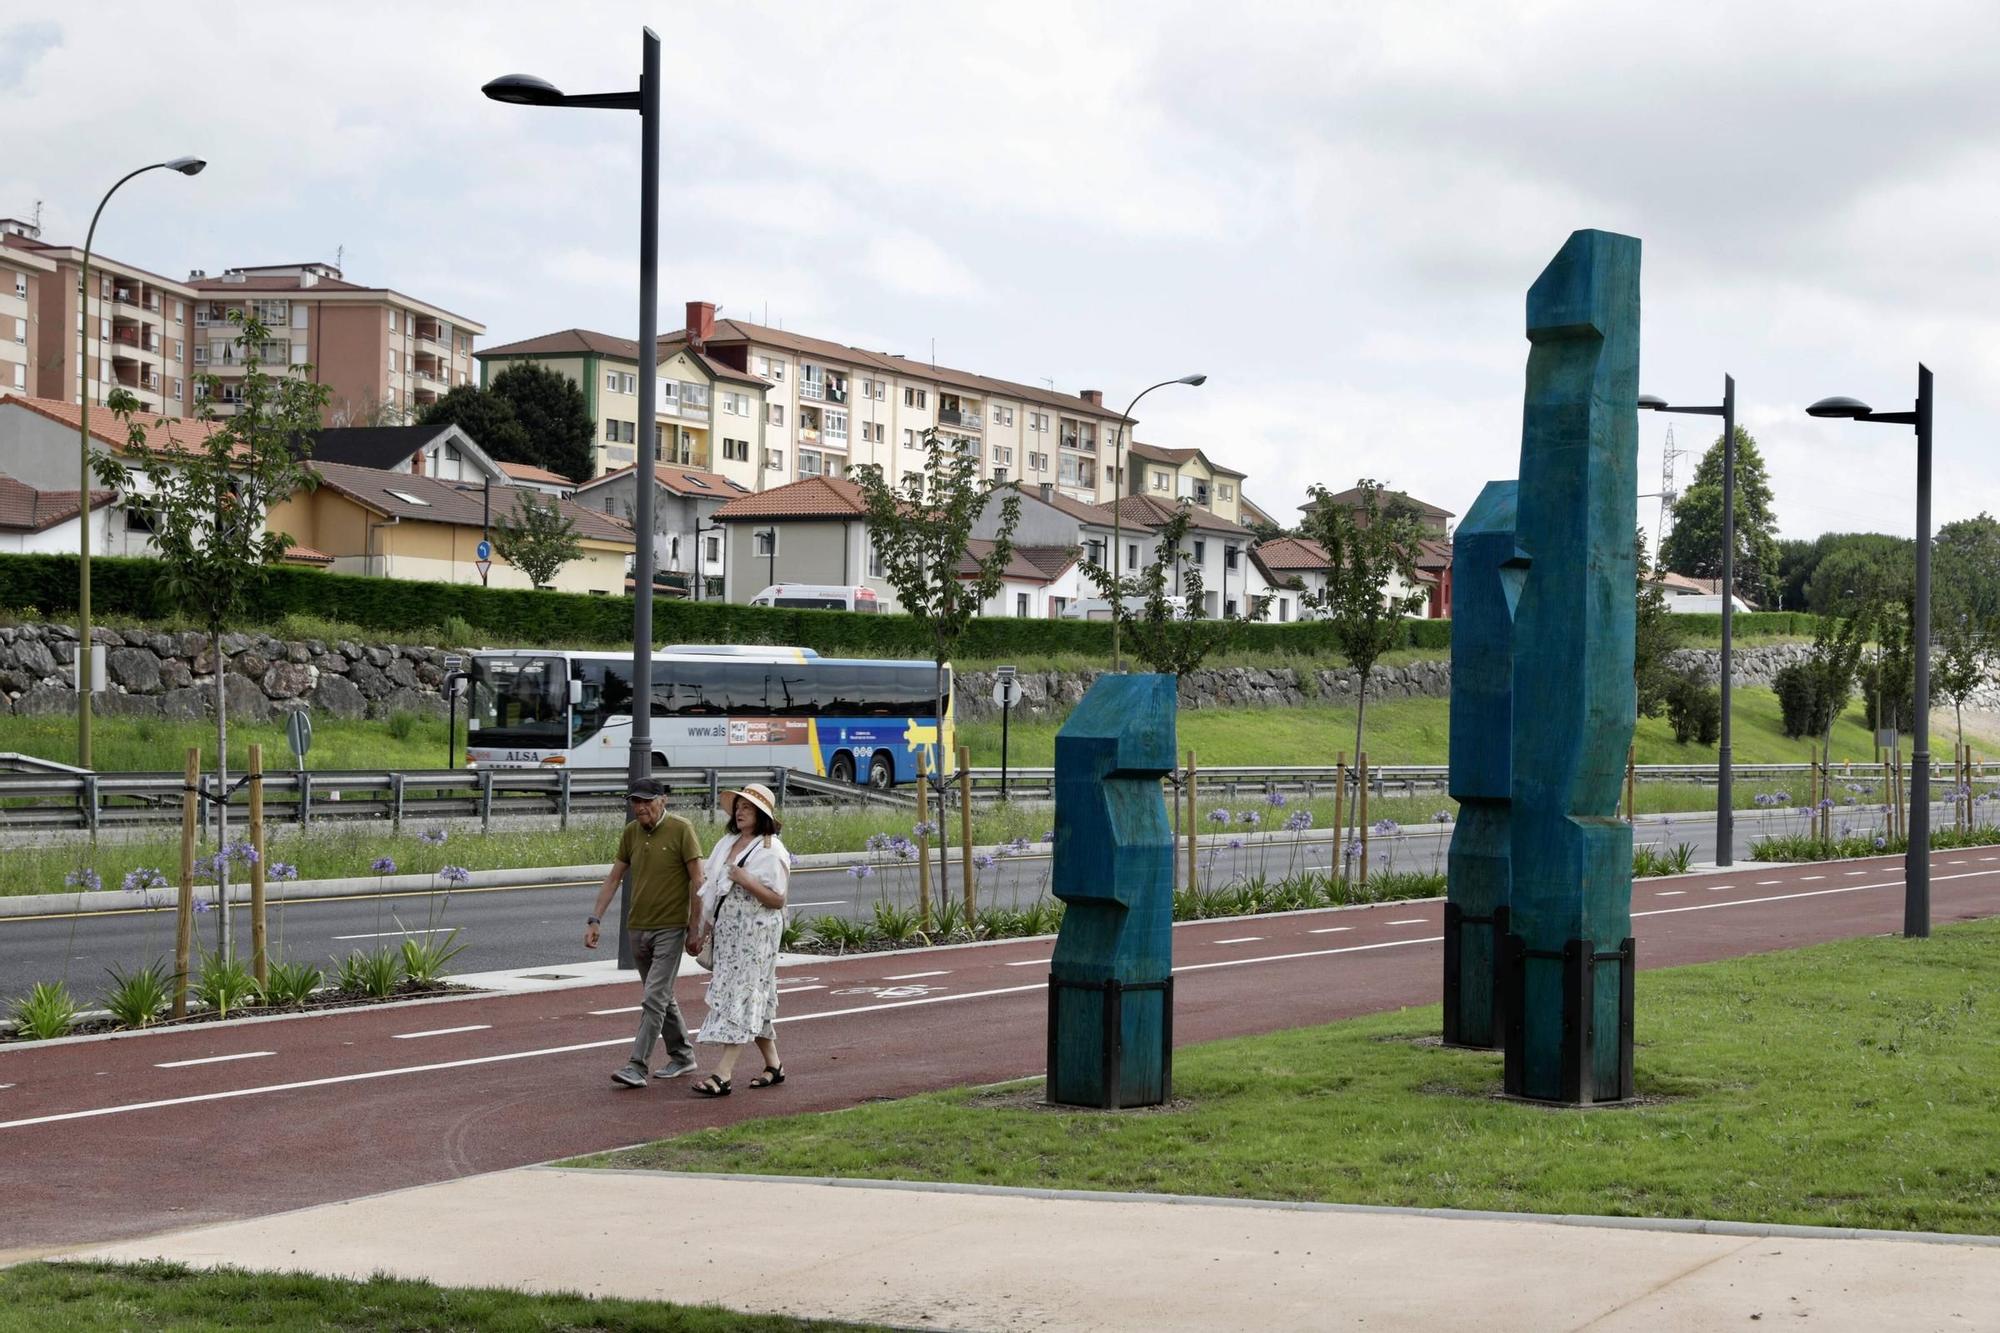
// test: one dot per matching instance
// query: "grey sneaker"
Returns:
(675, 1068)
(629, 1075)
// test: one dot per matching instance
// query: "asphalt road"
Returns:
(542, 925)
(140, 1133)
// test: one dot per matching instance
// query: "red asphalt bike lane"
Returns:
(99, 1142)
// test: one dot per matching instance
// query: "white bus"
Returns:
(820, 597)
(714, 706)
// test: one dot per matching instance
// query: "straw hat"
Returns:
(760, 796)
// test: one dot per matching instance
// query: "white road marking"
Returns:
(1954, 863)
(605, 1013)
(1032, 962)
(1990, 858)
(1807, 878)
(1763, 883)
(439, 1032)
(1857, 872)
(1787, 897)
(1670, 893)
(1240, 939)
(1718, 888)
(912, 976)
(1329, 930)
(387, 934)
(212, 1059)
(794, 990)
(1410, 921)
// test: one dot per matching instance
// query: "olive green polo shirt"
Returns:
(659, 871)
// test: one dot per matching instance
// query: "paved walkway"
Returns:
(1007, 1260)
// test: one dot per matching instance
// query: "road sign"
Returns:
(299, 731)
(483, 566)
(453, 662)
(484, 550)
(1006, 691)
(1887, 739)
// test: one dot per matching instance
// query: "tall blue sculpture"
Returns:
(1111, 980)
(1568, 964)
(1488, 568)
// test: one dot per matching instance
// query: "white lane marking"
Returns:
(1718, 888)
(1287, 957)
(1954, 863)
(1787, 897)
(1410, 921)
(1240, 939)
(1032, 962)
(1670, 893)
(211, 1059)
(794, 990)
(912, 976)
(388, 934)
(1803, 879)
(1857, 872)
(1329, 930)
(1990, 858)
(1763, 883)
(605, 1013)
(439, 1032)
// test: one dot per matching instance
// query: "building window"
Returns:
(1200, 551)
(395, 360)
(177, 387)
(1224, 491)
(694, 395)
(774, 460)
(774, 414)
(812, 381)
(21, 285)
(876, 390)
(909, 438)
(271, 313)
(1131, 555)
(1229, 557)
(836, 425)
(764, 543)
(1162, 481)
(736, 404)
(392, 321)
(20, 329)
(916, 398)
(1003, 416)
(809, 463)
(1000, 474)
(714, 550)
(21, 376)
(736, 451)
(1003, 454)
(871, 432)
(1038, 421)
(611, 381)
(771, 368)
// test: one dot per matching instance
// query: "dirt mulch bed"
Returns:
(321, 1001)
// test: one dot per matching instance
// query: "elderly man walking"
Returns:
(665, 860)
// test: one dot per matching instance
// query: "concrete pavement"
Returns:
(937, 1258)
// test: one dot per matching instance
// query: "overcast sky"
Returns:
(1332, 209)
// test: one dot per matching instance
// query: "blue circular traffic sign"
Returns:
(485, 550)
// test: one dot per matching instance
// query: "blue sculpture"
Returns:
(1111, 980)
(1487, 571)
(1569, 951)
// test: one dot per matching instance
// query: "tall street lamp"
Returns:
(86, 654)
(527, 90)
(1725, 797)
(1917, 860)
(1118, 485)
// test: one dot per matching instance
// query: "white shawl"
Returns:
(767, 862)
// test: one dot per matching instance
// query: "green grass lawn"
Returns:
(1850, 1084)
(154, 745)
(85, 1298)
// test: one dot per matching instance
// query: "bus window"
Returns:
(520, 701)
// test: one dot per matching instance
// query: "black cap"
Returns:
(645, 789)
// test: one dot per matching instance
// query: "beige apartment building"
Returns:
(706, 415)
(135, 324)
(385, 356)
(1173, 475)
(22, 275)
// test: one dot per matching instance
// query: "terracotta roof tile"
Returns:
(589, 342)
(686, 481)
(529, 472)
(1292, 554)
(812, 497)
(168, 435)
(430, 500)
(26, 509)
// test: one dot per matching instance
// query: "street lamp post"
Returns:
(527, 90)
(770, 535)
(85, 653)
(1917, 860)
(1118, 485)
(1725, 795)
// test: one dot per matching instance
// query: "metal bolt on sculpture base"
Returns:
(1111, 995)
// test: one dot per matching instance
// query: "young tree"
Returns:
(1967, 563)
(1654, 636)
(208, 502)
(1963, 664)
(553, 414)
(1367, 549)
(538, 540)
(1694, 547)
(489, 419)
(1160, 623)
(921, 532)
(1861, 573)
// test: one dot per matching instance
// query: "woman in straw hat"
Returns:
(743, 914)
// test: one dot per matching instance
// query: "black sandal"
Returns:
(715, 1085)
(772, 1076)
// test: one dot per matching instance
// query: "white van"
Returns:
(819, 597)
(1099, 608)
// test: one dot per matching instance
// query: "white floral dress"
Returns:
(743, 986)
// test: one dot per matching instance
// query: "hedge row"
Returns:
(130, 588)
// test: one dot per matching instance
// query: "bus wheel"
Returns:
(881, 776)
(843, 768)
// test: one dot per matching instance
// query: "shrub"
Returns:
(403, 724)
(44, 1012)
(1799, 701)
(136, 998)
(371, 974)
(292, 984)
(224, 983)
(1694, 709)
(424, 960)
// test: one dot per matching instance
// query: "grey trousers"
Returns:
(657, 955)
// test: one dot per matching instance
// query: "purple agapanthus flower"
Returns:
(432, 837)
(142, 879)
(454, 874)
(383, 865)
(1251, 818)
(984, 861)
(878, 842)
(1048, 839)
(861, 870)
(1441, 817)
(83, 877)
(1236, 844)
(1300, 821)
(1353, 849)
(242, 853)
(204, 904)
(281, 870)
(1383, 827)
(1219, 816)
(1275, 799)
(927, 829)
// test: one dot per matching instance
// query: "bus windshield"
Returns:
(520, 701)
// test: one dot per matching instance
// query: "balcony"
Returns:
(812, 389)
(962, 417)
(808, 434)
(836, 392)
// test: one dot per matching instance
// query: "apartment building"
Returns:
(707, 416)
(133, 323)
(23, 273)
(831, 407)
(1172, 475)
(384, 356)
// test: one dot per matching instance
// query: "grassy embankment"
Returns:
(1850, 1084)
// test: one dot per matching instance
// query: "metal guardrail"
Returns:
(64, 798)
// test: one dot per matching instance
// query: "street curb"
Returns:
(1685, 1225)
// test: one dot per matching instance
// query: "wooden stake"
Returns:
(965, 828)
(1631, 781)
(1361, 810)
(1193, 829)
(261, 960)
(184, 917)
(923, 844)
(1338, 870)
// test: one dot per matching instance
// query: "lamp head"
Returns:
(1192, 379)
(523, 90)
(1839, 407)
(187, 166)
(1651, 403)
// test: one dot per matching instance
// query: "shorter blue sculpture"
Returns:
(1111, 980)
